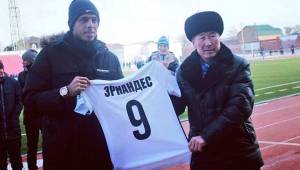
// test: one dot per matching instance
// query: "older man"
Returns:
(218, 91)
(61, 71)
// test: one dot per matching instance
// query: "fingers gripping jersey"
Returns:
(140, 125)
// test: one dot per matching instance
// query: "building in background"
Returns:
(24, 44)
(233, 43)
(256, 38)
(253, 33)
(288, 41)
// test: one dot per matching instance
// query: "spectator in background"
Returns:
(61, 71)
(14, 76)
(164, 56)
(292, 49)
(281, 50)
(217, 89)
(261, 51)
(10, 132)
(32, 118)
(139, 64)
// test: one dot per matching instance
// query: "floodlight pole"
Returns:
(14, 22)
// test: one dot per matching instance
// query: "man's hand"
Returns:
(196, 144)
(77, 85)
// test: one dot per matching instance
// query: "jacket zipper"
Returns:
(3, 111)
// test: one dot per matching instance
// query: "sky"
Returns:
(133, 21)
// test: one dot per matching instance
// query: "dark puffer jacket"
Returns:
(71, 141)
(31, 116)
(10, 109)
(219, 108)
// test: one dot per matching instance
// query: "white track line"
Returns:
(287, 97)
(297, 87)
(261, 104)
(275, 110)
(277, 85)
(271, 92)
(276, 123)
(283, 90)
(280, 143)
(285, 141)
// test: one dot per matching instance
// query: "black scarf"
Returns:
(85, 49)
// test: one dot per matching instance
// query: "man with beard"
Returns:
(61, 71)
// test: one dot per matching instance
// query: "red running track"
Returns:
(277, 125)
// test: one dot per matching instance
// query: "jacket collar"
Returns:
(192, 72)
(94, 48)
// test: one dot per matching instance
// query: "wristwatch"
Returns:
(63, 92)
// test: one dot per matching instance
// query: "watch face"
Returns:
(63, 91)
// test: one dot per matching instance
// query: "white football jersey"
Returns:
(139, 122)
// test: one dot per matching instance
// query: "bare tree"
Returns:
(287, 30)
(232, 32)
(296, 29)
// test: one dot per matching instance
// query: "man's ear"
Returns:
(193, 42)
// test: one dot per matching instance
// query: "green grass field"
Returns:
(276, 78)
(272, 79)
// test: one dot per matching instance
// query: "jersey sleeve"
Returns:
(168, 80)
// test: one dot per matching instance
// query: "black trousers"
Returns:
(75, 145)
(11, 148)
(32, 134)
(200, 162)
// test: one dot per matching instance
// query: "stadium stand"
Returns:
(12, 63)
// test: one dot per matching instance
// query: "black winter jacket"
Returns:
(31, 115)
(10, 109)
(71, 141)
(219, 108)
